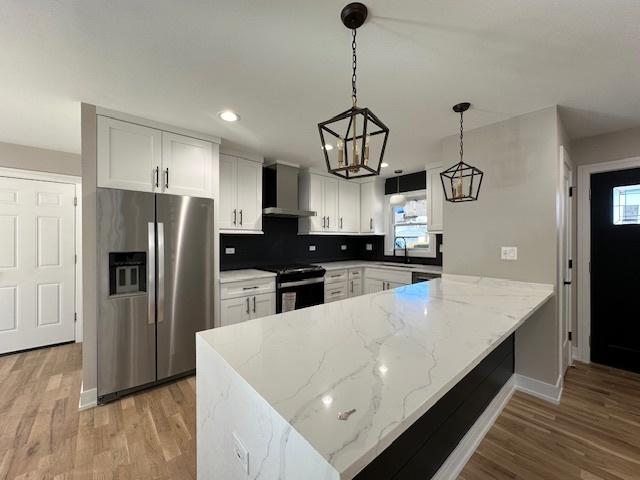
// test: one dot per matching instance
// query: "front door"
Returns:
(37, 267)
(615, 268)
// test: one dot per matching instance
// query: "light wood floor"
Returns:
(150, 435)
(594, 433)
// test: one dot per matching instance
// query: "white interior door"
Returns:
(37, 263)
(565, 257)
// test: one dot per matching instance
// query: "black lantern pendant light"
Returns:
(354, 141)
(461, 182)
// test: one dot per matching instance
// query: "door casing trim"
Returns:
(584, 247)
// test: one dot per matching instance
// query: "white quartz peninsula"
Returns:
(270, 391)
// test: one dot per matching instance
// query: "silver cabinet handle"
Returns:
(371, 224)
(166, 177)
(248, 306)
(324, 222)
(340, 223)
(240, 216)
(250, 288)
(151, 274)
(328, 222)
(235, 216)
(351, 286)
(160, 306)
(157, 173)
(254, 304)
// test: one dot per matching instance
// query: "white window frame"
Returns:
(389, 231)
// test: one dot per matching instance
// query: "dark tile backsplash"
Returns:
(282, 244)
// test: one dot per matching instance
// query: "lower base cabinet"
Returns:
(378, 279)
(242, 301)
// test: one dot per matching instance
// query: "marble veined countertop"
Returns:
(231, 276)
(411, 267)
(388, 356)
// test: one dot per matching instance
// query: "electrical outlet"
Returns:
(343, 247)
(230, 251)
(312, 248)
(369, 247)
(509, 253)
(241, 454)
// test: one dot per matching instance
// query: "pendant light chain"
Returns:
(461, 136)
(354, 64)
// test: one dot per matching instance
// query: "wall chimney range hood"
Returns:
(280, 192)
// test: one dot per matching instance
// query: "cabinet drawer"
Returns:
(334, 292)
(355, 273)
(248, 287)
(335, 276)
(393, 276)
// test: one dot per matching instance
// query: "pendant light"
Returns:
(356, 137)
(398, 199)
(461, 182)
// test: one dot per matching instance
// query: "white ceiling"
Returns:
(283, 65)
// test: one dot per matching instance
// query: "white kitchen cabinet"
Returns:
(336, 203)
(129, 156)
(234, 310)
(135, 157)
(348, 207)
(378, 279)
(373, 285)
(335, 291)
(187, 167)
(371, 207)
(435, 200)
(247, 300)
(240, 205)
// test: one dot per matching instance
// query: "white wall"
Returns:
(89, 260)
(516, 207)
(39, 159)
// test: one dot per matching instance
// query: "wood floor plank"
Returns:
(594, 434)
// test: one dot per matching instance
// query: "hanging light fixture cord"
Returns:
(461, 136)
(354, 64)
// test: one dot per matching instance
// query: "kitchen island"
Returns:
(325, 392)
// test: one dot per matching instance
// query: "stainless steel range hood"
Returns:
(280, 192)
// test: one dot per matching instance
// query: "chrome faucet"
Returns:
(396, 244)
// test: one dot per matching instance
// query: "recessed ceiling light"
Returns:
(328, 147)
(384, 164)
(229, 116)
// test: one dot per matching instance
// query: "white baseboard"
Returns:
(456, 461)
(545, 391)
(88, 398)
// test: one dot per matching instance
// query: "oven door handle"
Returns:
(309, 281)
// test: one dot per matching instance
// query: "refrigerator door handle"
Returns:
(151, 273)
(160, 272)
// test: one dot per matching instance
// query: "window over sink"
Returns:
(409, 223)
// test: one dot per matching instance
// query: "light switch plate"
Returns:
(230, 251)
(343, 247)
(369, 247)
(312, 248)
(509, 253)
(241, 454)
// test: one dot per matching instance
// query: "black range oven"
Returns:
(297, 286)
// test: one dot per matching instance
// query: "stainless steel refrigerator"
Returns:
(155, 286)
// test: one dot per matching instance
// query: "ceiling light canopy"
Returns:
(359, 135)
(229, 116)
(461, 182)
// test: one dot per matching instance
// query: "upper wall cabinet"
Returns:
(435, 200)
(348, 207)
(336, 203)
(240, 205)
(371, 207)
(187, 168)
(135, 157)
(129, 155)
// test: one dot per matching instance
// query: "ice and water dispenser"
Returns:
(127, 273)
